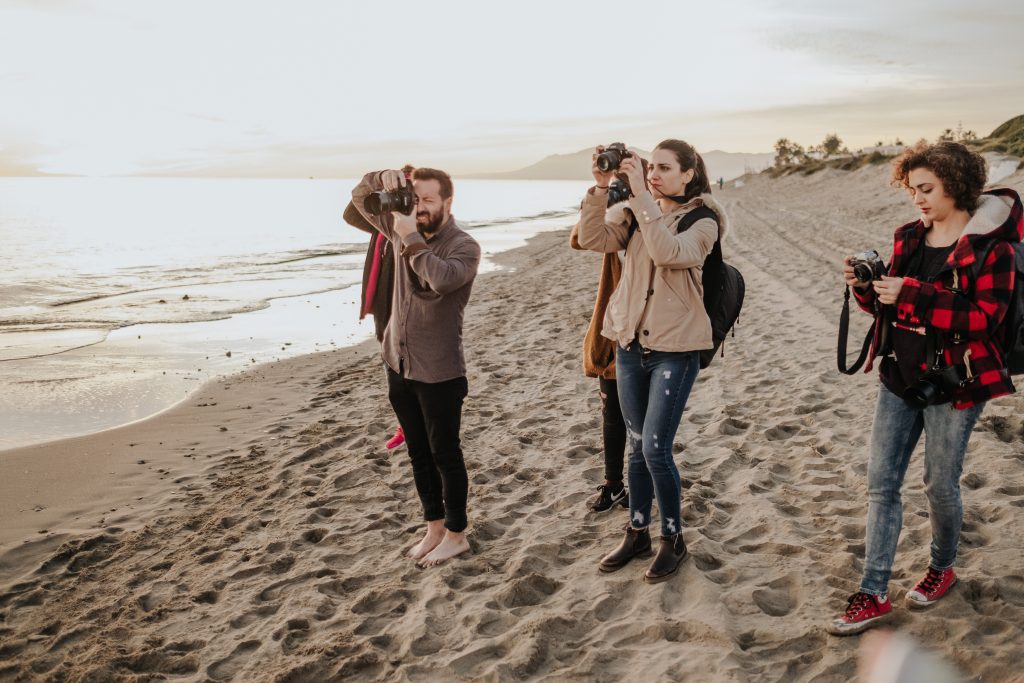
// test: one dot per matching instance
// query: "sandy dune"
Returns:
(272, 549)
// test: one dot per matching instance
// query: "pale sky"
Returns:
(308, 87)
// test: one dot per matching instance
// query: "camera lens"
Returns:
(377, 203)
(863, 272)
(922, 394)
(380, 203)
(609, 160)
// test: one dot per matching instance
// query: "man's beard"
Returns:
(431, 226)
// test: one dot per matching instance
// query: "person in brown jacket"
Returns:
(657, 319)
(599, 362)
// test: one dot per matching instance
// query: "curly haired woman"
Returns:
(938, 308)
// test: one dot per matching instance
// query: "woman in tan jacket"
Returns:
(657, 319)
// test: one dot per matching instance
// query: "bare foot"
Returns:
(454, 543)
(435, 533)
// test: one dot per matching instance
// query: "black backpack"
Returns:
(1010, 335)
(723, 288)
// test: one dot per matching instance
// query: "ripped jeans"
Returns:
(653, 388)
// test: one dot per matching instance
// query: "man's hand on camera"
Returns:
(404, 225)
(888, 289)
(603, 179)
(633, 169)
(392, 180)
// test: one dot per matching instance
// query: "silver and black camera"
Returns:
(868, 266)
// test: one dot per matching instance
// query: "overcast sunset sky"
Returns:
(315, 88)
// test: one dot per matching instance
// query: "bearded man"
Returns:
(422, 347)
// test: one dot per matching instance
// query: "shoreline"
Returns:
(274, 550)
(140, 370)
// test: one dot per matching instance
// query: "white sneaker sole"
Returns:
(913, 603)
(843, 629)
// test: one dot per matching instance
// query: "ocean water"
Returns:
(120, 296)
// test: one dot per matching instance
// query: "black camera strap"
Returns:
(844, 333)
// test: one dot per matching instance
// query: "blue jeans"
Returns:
(894, 435)
(653, 388)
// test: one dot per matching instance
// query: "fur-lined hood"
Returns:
(999, 215)
(620, 214)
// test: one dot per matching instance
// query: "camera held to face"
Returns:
(618, 191)
(402, 200)
(612, 156)
(868, 266)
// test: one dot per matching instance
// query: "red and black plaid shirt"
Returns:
(966, 313)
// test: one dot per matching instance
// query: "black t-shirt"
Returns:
(910, 346)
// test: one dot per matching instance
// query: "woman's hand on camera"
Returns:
(602, 179)
(392, 180)
(851, 279)
(633, 169)
(888, 289)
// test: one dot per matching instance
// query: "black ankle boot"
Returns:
(671, 554)
(637, 543)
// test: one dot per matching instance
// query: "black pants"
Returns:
(614, 430)
(431, 416)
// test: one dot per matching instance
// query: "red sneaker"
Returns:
(863, 611)
(931, 588)
(397, 440)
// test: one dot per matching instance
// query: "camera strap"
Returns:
(844, 333)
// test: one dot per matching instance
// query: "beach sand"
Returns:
(256, 532)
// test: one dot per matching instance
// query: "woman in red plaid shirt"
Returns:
(937, 309)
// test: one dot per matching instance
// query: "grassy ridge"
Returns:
(1007, 138)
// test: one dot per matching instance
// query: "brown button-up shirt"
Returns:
(433, 280)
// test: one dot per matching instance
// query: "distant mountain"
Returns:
(576, 166)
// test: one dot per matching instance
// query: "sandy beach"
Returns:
(256, 532)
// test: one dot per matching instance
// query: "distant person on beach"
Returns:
(378, 282)
(721, 182)
(657, 319)
(422, 348)
(937, 310)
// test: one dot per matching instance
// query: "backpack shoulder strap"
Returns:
(689, 218)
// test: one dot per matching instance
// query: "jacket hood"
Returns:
(723, 220)
(999, 214)
(617, 213)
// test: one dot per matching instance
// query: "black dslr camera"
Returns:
(612, 156)
(402, 200)
(618, 191)
(868, 266)
(934, 386)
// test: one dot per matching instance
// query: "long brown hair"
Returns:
(688, 158)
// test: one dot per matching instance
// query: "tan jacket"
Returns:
(660, 299)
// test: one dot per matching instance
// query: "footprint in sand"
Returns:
(225, 669)
(782, 432)
(528, 591)
(733, 427)
(777, 598)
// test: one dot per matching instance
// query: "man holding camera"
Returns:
(422, 346)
